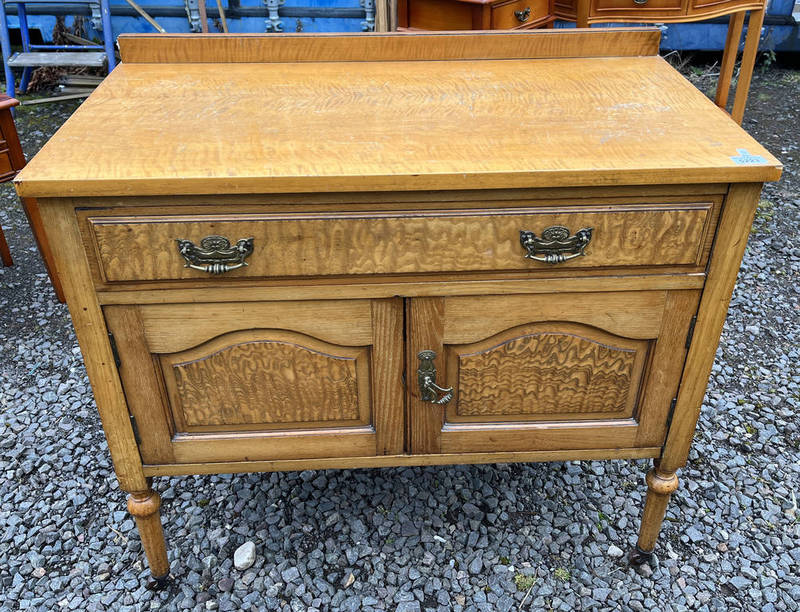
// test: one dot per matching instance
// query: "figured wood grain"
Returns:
(566, 370)
(600, 121)
(136, 249)
(655, 326)
(586, 12)
(263, 377)
(256, 48)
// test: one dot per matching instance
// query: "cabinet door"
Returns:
(262, 380)
(546, 372)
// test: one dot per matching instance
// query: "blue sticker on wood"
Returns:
(744, 158)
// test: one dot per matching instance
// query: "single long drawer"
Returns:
(148, 248)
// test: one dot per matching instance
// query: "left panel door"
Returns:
(250, 381)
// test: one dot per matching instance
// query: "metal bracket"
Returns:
(135, 428)
(193, 15)
(690, 335)
(273, 23)
(671, 412)
(368, 25)
(97, 16)
(114, 350)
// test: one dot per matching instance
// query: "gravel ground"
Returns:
(500, 537)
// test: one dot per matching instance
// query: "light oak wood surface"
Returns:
(371, 47)
(631, 120)
(314, 244)
(391, 256)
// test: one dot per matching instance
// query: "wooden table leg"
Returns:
(31, 208)
(5, 252)
(729, 59)
(748, 63)
(144, 506)
(660, 485)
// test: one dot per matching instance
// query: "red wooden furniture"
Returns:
(12, 160)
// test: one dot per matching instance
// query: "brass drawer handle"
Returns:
(426, 377)
(555, 245)
(215, 254)
(523, 16)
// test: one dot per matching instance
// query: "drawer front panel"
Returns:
(699, 7)
(632, 7)
(440, 15)
(518, 13)
(146, 249)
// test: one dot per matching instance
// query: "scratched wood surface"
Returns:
(549, 370)
(318, 244)
(301, 127)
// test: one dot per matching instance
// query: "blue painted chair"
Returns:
(52, 55)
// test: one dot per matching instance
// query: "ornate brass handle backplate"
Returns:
(555, 245)
(523, 16)
(215, 254)
(426, 377)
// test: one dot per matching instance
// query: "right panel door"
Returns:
(545, 371)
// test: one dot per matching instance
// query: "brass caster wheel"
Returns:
(637, 556)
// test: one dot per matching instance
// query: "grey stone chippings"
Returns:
(465, 538)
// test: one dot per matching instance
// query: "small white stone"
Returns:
(615, 552)
(245, 556)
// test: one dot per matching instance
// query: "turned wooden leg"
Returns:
(144, 505)
(660, 485)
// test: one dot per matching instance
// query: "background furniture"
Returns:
(475, 14)
(502, 14)
(530, 262)
(32, 55)
(12, 160)
(587, 12)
